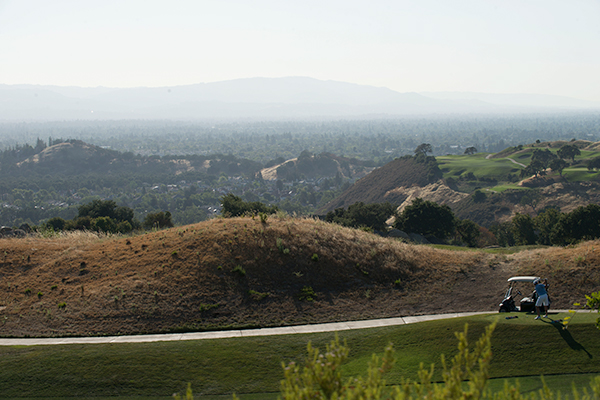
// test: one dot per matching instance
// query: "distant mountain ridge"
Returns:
(257, 98)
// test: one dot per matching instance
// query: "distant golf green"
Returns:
(494, 168)
(498, 168)
(580, 173)
(523, 347)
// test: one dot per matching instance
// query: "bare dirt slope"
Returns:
(437, 192)
(241, 272)
(381, 185)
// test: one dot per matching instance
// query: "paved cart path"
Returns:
(286, 330)
(516, 162)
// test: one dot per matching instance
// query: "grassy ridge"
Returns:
(521, 347)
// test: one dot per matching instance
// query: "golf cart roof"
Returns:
(529, 279)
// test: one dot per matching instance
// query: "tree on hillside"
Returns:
(504, 233)
(363, 215)
(540, 161)
(234, 206)
(430, 164)
(543, 156)
(593, 164)
(545, 224)
(106, 208)
(583, 223)
(470, 150)
(158, 220)
(469, 176)
(535, 167)
(523, 229)
(105, 216)
(56, 223)
(468, 232)
(558, 165)
(104, 224)
(531, 198)
(423, 148)
(427, 218)
(98, 208)
(568, 151)
(479, 196)
(100, 216)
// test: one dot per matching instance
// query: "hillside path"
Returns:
(516, 162)
(286, 330)
(513, 161)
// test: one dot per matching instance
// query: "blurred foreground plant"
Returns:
(593, 302)
(321, 378)
(464, 378)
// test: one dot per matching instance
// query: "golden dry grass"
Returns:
(241, 272)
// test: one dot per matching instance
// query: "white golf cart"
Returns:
(526, 304)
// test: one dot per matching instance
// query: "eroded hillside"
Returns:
(382, 185)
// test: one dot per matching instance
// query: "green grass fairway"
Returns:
(248, 396)
(580, 173)
(507, 186)
(587, 154)
(532, 384)
(499, 168)
(521, 346)
(496, 168)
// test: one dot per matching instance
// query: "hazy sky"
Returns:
(496, 46)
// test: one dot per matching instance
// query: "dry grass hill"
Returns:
(242, 272)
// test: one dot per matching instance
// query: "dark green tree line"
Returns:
(359, 215)
(234, 206)
(427, 218)
(106, 216)
(550, 227)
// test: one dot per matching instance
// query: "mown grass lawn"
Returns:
(532, 384)
(522, 347)
(499, 168)
(507, 186)
(495, 168)
(580, 173)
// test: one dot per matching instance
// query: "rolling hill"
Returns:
(240, 272)
(383, 184)
(313, 166)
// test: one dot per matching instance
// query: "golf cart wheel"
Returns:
(503, 309)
